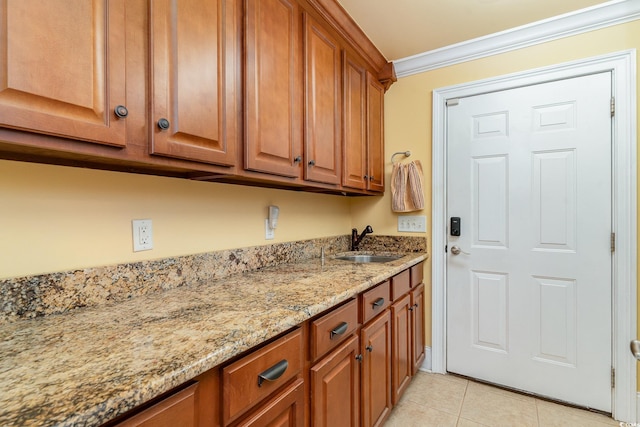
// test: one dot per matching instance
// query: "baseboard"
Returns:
(426, 365)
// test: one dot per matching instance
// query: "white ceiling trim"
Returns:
(584, 20)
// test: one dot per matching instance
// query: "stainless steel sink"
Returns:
(369, 258)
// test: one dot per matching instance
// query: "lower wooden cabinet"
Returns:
(348, 367)
(285, 409)
(178, 409)
(335, 387)
(376, 370)
(402, 351)
(261, 373)
(417, 327)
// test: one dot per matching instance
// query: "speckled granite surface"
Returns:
(87, 366)
(35, 296)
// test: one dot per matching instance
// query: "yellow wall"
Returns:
(408, 105)
(55, 218)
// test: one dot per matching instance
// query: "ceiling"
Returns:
(401, 28)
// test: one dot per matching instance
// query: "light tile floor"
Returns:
(450, 401)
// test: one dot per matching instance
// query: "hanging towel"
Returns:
(406, 187)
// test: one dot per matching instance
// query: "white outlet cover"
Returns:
(142, 235)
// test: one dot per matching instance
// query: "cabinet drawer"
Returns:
(400, 284)
(417, 274)
(332, 328)
(375, 301)
(257, 375)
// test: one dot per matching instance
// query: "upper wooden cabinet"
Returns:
(363, 128)
(322, 126)
(354, 139)
(375, 134)
(195, 75)
(282, 93)
(62, 68)
(273, 87)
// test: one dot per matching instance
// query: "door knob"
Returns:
(455, 250)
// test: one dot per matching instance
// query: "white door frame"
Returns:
(624, 280)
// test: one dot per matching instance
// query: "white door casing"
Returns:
(622, 66)
(529, 299)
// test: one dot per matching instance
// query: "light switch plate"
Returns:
(412, 223)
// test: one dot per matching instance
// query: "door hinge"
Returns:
(613, 377)
(613, 242)
(452, 102)
(446, 248)
(613, 106)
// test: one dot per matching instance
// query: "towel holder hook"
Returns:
(406, 154)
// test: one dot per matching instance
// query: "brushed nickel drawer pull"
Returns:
(378, 303)
(273, 373)
(339, 330)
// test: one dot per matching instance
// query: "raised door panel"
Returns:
(417, 327)
(176, 410)
(376, 370)
(323, 125)
(335, 387)
(62, 68)
(273, 87)
(375, 134)
(354, 173)
(286, 409)
(402, 350)
(194, 101)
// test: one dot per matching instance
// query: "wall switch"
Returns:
(269, 233)
(142, 235)
(412, 223)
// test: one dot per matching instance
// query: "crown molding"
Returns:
(570, 24)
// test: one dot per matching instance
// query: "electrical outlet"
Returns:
(142, 235)
(269, 233)
(412, 223)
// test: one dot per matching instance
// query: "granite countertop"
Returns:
(88, 366)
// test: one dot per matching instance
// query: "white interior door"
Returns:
(529, 293)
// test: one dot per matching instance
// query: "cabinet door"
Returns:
(286, 409)
(402, 350)
(322, 73)
(176, 410)
(62, 68)
(376, 370)
(273, 85)
(194, 101)
(375, 134)
(417, 327)
(335, 387)
(354, 173)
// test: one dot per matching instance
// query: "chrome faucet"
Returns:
(356, 240)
